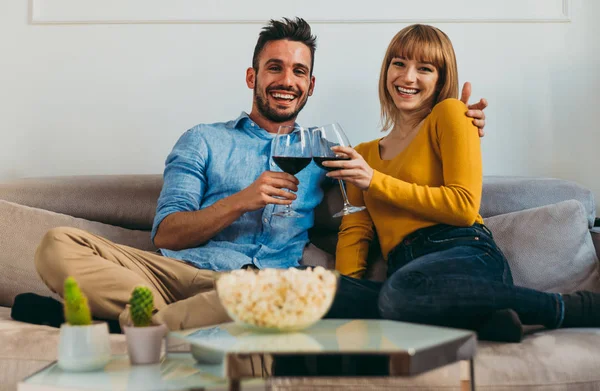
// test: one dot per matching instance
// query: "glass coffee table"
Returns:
(176, 371)
(333, 347)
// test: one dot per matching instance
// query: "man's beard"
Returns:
(271, 114)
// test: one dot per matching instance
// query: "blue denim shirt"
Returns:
(213, 161)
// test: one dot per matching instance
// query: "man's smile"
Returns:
(283, 97)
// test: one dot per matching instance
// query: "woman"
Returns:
(422, 187)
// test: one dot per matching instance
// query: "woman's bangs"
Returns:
(418, 46)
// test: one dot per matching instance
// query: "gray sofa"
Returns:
(548, 240)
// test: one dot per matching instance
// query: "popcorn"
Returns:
(286, 299)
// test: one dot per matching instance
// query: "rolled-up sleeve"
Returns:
(184, 178)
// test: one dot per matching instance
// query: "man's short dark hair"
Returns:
(292, 30)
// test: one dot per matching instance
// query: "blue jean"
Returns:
(447, 276)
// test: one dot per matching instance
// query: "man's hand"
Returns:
(262, 191)
(475, 110)
(181, 230)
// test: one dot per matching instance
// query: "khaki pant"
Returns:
(184, 296)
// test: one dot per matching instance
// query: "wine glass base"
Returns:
(348, 210)
(288, 213)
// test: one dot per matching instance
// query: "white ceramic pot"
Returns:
(144, 343)
(83, 348)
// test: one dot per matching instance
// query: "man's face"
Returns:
(283, 82)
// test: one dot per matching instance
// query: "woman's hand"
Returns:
(356, 170)
(476, 111)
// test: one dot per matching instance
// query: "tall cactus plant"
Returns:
(77, 311)
(141, 306)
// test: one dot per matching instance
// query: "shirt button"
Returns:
(265, 220)
(272, 164)
(252, 124)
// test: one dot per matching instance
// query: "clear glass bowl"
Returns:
(277, 300)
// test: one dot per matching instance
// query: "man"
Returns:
(215, 210)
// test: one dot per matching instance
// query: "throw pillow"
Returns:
(548, 248)
(22, 229)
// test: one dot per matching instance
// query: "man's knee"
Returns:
(50, 260)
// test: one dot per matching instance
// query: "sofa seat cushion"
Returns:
(26, 348)
(548, 360)
(25, 341)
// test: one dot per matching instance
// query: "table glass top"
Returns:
(326, 336)
(177, 371)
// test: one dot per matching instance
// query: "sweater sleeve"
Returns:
(355, 236)
(457, 201)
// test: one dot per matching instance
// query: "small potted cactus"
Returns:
(143, 338)
(83, 345)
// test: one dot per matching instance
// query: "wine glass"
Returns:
(323, 138)
(291, 152)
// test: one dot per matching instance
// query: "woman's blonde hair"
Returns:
(422, 43)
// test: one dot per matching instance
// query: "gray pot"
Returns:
(144, 343)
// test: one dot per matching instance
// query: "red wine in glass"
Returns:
(291, 164)
(292, 153)
(323, 138)
(319, 161)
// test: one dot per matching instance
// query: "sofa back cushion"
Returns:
(501, 195)
(127, 201)
(130, 200)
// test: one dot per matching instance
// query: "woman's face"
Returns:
(411, 83)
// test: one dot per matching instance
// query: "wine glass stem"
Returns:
(343, 189)
(288, 207)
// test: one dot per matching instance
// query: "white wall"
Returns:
(110, 99)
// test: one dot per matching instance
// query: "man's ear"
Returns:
(312, 85)
(250, 78)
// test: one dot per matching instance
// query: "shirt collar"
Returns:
(245, 122)
(240, 121)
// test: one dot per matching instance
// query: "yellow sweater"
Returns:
(436, 179)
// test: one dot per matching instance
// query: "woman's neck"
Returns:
(406, 125)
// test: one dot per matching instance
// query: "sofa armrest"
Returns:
(596, 239)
